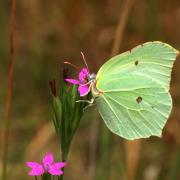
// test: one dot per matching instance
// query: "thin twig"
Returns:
(132, 149)
(9, 88)
(128, 4)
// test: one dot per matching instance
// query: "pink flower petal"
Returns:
(55, 171)
(37, 169)
(55, 168)
(58, 165)
(83, 90)
(83, 74)
(48, 159)
(72, 81)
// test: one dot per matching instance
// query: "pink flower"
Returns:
(48, 166)
(82, 81)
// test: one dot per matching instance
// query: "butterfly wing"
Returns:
(135, 102)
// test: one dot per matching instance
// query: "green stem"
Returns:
(46, 176)
(106, 139)
(61, 177)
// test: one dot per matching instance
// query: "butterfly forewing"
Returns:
(152, 59)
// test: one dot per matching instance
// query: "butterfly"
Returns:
(131, 90)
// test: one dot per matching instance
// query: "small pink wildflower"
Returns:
(81, 81)
(48, 166)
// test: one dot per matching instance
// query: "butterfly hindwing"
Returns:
(138, 109)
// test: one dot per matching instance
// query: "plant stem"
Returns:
(121, 26)
(9, 89)
(93, 145)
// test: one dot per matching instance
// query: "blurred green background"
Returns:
(50, 32)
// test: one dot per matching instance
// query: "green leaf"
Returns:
(57, 106)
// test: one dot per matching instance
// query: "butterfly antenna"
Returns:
(73, 65)
(84, 59)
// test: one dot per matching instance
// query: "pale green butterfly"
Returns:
(131, 90)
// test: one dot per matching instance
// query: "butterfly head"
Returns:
(91, 77)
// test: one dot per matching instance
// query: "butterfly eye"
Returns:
(91, 76)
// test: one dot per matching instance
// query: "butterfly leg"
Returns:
(90, 103)
(87, 101)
